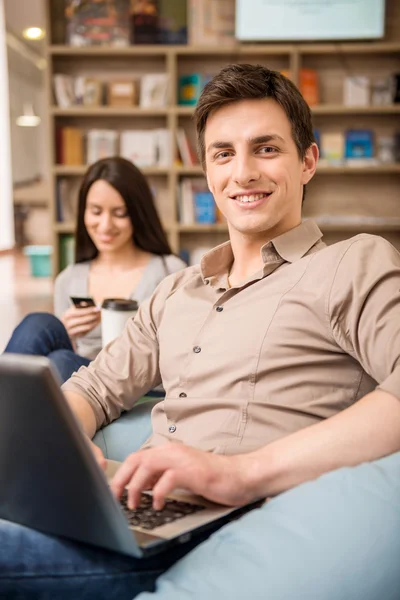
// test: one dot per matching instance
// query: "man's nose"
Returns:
(245, 170)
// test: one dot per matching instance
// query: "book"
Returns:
(67, 250)
(308, 85)
(172, 22)
(332, 148)
(144, 22)
(154, 90)
(186, 153)
(189, 89)
(101, 143)
(356, 90)
(212, 22)
(163, 145)
(139, 147)
(64, 90)
(359, 145)
(69, 146)
(122, 93)
(204, 207)
(158, 22)
(97, 23)
(67, 193)
(185, 202)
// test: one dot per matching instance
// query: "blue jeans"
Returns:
(41, 567)
(43, 334)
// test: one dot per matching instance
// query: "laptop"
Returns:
(50, 480)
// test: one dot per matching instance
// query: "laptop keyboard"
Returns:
(147, 518)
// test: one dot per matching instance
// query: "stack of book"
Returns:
(150, 91)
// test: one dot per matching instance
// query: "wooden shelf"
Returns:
(367, 170)
(237, 49)
(138, 111)
(64, 227)
(363, 226)
(198, 228)
(350, 48)
(77, 170)
(339, 109)
(356, 187)
(108, 111)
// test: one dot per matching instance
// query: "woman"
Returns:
(121, 252)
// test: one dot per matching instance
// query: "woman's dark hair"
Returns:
(131, 184)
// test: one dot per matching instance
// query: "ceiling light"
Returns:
(33, 33)
(28, 118)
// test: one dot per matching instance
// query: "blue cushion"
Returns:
(335, 538)
(128, 433)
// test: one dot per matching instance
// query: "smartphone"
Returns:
(81, 302)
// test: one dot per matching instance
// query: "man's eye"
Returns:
(267, 150)
(223, 154)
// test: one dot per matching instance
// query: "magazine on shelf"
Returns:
(147, 148)
(154, 90)
(64, 90)
(101, 143)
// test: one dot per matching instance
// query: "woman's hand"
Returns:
(222, 479)
(79, 321)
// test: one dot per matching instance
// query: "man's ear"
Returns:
(310, 163)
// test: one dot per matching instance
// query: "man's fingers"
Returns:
(143, 479)
(164, 486)
(124, 474)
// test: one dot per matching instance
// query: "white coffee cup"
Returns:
(114, 314)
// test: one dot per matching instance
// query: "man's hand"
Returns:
(222, 479)
(79, 321)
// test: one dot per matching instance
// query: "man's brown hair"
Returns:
(246, 82)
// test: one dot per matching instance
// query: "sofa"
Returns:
(334, 538)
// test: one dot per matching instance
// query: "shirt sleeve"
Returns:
(364, 308)
(126, 368)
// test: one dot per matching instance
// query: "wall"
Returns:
(6, 209)
(28, 144)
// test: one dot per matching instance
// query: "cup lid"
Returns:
(122, 304)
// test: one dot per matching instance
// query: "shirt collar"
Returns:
(295, 244)
(289, 246)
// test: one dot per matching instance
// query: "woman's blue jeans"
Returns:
(43, 334)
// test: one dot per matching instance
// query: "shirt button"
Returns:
(172, 428)
(182, 395)
(219, 309)
(196, 349)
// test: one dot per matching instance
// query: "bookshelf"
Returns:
(336, 197)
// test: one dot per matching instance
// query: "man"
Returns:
(280, 358)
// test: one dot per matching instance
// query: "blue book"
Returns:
(359, 143)
(204, 207)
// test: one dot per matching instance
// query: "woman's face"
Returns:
(106, 218)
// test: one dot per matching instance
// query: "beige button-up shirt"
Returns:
(315, 330)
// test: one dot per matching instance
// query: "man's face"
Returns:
(253, 168)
